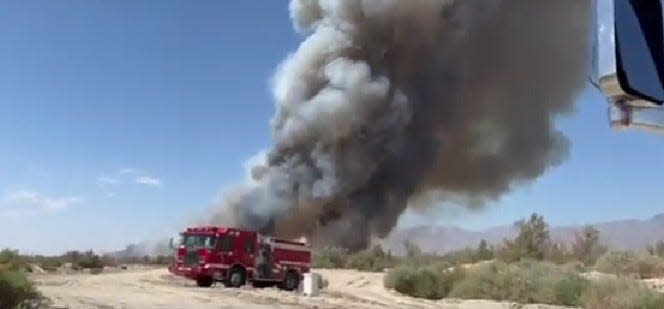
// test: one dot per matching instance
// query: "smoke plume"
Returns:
(387, 101)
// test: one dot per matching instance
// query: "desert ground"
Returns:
(156, 288)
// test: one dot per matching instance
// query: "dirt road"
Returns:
(156, 288)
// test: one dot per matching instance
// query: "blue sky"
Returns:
(121, 119)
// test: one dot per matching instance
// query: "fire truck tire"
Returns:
(237, 277)
(204, 282)
(291, 281)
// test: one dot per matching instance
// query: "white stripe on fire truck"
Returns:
(226, 266)
(294, 263)
(219, 265)
(290, 247)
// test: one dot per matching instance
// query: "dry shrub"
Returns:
(627, 263)
(330, 258)
(621, 293)
(430, 282)
(522, 282)
(373, 260)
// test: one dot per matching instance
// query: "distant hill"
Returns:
(625, 234)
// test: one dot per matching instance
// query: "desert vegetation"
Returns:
(18, 291)
(531, 268)
(657, 249)
(638, 265)
(372, 260)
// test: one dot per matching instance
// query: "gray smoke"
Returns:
(387, 101)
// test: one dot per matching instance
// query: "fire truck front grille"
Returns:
(191, 258)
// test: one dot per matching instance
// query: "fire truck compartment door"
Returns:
(264, 262)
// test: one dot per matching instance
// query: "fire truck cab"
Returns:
(235, 257)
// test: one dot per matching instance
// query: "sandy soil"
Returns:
(156, 288)
(656, 284)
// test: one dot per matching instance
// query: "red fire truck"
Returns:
(235, 257)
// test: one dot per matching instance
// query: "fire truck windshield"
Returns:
(199, 241)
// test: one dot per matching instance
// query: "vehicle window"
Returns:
(210, 242)
(199, 241)
(249, 246)
(225, 243)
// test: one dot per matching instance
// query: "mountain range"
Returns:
(623, 234)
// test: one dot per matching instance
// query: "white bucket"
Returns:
(311, 284)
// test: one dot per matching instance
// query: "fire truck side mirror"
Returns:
(640, 48)
(628, 51)
(171, 244)
(627, 61)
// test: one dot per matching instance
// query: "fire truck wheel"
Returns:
(204, 282)
(237, 277)
(291, 282)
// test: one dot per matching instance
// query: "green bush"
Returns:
(534, 243)
(96, 270)
(627, 263)
(430, 282)
(412, 249)
(468, 256)
(587, 247)
(533, 240)
(657, 249)
(374, 260)
(330, 258)
(45, 262)
(109, 260)
(16, 290)
(560, 254)
(89, 261)
(366, 262)
(10, 260)
(50, 262)
(648, 266)
(569, 290)
(83, 260)
(522, 282)
(615, 262)
(576, 266)
(621, 293)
